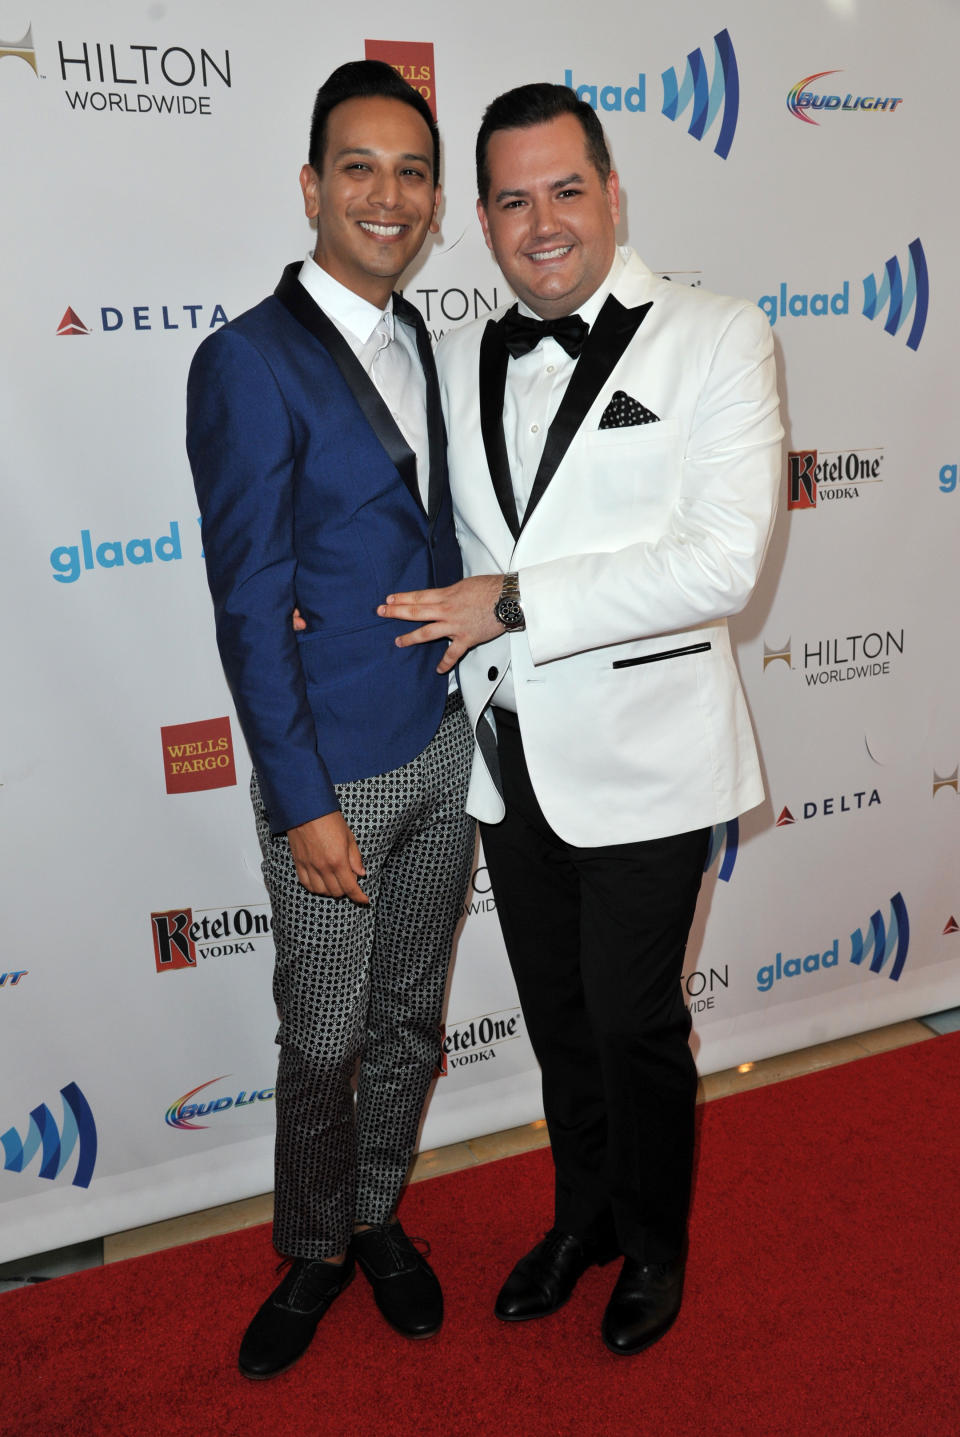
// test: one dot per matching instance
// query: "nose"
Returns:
(544, 217)
(385, 189)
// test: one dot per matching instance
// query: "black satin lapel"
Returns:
(613, 330)
(292, 295)
(493, 379)
(436, 430)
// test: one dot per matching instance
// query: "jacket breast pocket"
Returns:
(663, 654)
(634, 472)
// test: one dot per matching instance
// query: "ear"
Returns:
(310, 184)
(482, 217)
(435, 221)
(613, 195)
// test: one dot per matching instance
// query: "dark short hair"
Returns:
(530, 105)
(363, 79)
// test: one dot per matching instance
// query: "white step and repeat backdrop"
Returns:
(149, 182)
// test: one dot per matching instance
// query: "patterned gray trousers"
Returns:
(365, 984)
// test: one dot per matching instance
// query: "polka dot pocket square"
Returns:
(622, 411)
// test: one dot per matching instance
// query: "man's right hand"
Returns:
(327, 858)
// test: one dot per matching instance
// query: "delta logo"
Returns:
(198, 756)
(876, 948)
(951, 926)
(722, 849)
(181, 1114)
(843, 659)
(941, 782)
(475, 1041)
(180, 939)
(55, 1143)
(413, 62)
(21, 50)
(801, 100)
(830, 807)
(144, 317)
(712, 99)
(830, 474)
(897, 291)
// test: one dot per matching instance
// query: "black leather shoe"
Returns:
(643, 1305)
(283, 1328)
(405, 1287)
(542, 1281)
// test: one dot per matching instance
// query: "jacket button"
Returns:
(492, 673)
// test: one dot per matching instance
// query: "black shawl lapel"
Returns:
(609, 336)
(292, 295)
(493, 379)
(405, 312)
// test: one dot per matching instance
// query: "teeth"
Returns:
(373, 229)
(551, 253)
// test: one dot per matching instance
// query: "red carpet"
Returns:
(822, 1298)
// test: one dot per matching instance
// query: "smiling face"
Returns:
(548, 216)
(375, 197)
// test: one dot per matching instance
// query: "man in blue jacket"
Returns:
(318, 451)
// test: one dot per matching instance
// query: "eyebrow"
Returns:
(574, 179)
(362, 150)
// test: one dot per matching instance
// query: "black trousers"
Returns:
(596, 940)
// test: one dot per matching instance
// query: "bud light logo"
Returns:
(55, 1145)
(725, 839)
(708, 98)
(898, 296)
(181, 1113)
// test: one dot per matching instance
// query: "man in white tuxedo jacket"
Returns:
(614, 460)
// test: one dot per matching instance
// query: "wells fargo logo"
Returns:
(198, 755)
(411, 59)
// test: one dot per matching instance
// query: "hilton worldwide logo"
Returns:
(21, 50)
(947, 780)
(841, 659)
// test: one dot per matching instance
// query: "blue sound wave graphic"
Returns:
(899, 297)
(882, 943)
(707, 96)
(54, 1144)
(725, 837)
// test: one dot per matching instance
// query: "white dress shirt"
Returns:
(536, 384)
(388, 352)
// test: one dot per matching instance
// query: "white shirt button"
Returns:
(551, 368)
(534, 428)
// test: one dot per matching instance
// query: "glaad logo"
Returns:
(725, 838)
(54, 1144)
(801, 99)
(181, 1113)
(20, 49)
(840, 660)
(413, 62)
(875, 946)
(948, 478)
(829, 474)
(708, 98)
(950, 780)
(112, 554)
(178, 939)
(897, 294)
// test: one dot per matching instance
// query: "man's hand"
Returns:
(462, 614)
(327, 857)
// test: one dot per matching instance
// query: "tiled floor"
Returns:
(247, 1213)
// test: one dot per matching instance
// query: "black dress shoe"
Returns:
(405, 1287)
(643, 1305)
(283, 1328)
(542, 1281)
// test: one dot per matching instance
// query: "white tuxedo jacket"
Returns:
(636, 544)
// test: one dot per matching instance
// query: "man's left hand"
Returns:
(462, 614)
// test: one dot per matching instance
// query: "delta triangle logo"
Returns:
(71, 323)
(785, 817)
(952, 925)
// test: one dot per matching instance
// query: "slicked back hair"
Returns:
(530, 105)
(364, 79)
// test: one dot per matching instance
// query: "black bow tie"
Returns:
(521, 334)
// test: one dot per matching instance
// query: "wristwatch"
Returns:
(507, 608)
